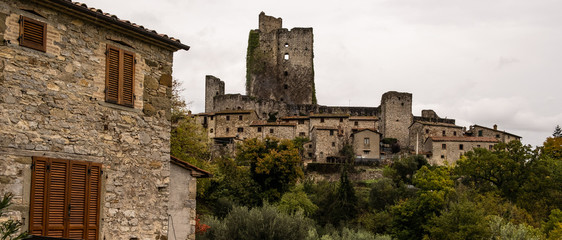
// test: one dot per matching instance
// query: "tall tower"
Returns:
(396, 116)
(213, 87)
(279, 63)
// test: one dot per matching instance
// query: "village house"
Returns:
(85, 123)
(447, 150)
(502, 136)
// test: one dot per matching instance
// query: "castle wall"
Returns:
(52, 104)
(396, 116)
(213, 87)
(279, 63)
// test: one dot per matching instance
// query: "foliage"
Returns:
(460, 220)
(189, 142)
(343, 208)
(231, 185)
(404, 168)
(389, 140)
(557, 132)
(9, 229)
(552, 147)
(376, 221)
(502, 229)
(350, 234)
(260, 223)
(274, 165)
(383, 194)
(553, 227)
(251, 61)
(295, 201)
(179, 106)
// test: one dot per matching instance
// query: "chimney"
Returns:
(495, 127)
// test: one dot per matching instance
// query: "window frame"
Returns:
(24, 42)
(121, 90)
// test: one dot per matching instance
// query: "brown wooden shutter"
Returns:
(112, 75)
(65, 198)
(93, 201)
(77, 200)
(128, 79)
(120, 77)
(38, 195)
(33, 34)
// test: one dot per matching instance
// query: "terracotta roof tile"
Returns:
(463, 139)
(98, 13)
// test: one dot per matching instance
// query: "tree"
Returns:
(460, 220)
(344, 206)
(295, 201)
(557, 132)
(189, 142)
(9, 229)
(274, 164)
(406, 167)
(552, 147)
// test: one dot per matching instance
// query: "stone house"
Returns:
(183, 191)
(366, 144)
(280, 130)
(503, 136)
(302, 124)
(326, 143)
(421, 130)
(441, 150)
(85, 121)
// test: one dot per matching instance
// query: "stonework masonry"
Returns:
(52, 104)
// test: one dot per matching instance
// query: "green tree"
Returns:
(553, 227)
(189, 142)
(295, 201)
(502, 229)
(404, 168)
(459, 220)
(274, 164)
(9, 229)
(557, 132)
(384, 192)
(552, 147)
(344, 206)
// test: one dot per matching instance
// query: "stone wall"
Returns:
(451, 152)
(280, 63)
(326, 143)
(422, 130)
(52, 104)
(228, 124)
(493, 133)
(396, 116)
(213, 87)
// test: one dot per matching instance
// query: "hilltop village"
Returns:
(280, 102)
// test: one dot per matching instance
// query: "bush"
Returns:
(9, 229)
(261, 223)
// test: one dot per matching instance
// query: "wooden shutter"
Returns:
(38, 197)
(120, 76)
(112, 75)
(33, 34)
(65, 198)
(128, 78)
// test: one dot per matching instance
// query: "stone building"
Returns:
(366, 144)
(421, 130)
(280, 85)
(441, 150)
(85, 121)
(183, 191)
(502, 136)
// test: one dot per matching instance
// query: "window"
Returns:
(341, 119)
(211, 131)
(497, 136)
(271, 130)
(301, 121)
(240, 117)
(356, 123)
(333, 144)
(490, 147)
(444, 134)
(442, 156)
(286, 45)
(480, 133)
(478, 145)
(33, 34)
(227, 130)
(285, 86)
(240, 130)
(443, 146)
(227, 118)
(461, 147)
(286, 57)
(427, 131)
(331, 132)
(212, 118)
(455, 133)
(301, 134)
(120, 76)
(286, 73)
(366, 152)
(366, 141)
(65, 198)
(321, 120)
(259, 129)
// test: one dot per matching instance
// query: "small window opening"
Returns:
(444, 134)
(455, 133)
(333, 144)
(271, 130)
(427, 131)
(227, 118)
(286, 57)
(240, 130)
(211, 130)
(217, 93)
(302, 134)
(356, 123)
(301, 121)
(461, 147)
(212, 117)
(321, 120)
(285, 86)
(443, 146)
(227, 130)
(331, 132)
(286, 45)
(240, 117)
(341, 119)
(282, 99)
(259, 129)
(286, 73)
(442, 156)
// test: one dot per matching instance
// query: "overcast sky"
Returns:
(480, 62)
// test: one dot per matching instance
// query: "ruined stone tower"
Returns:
(213, 87)
(396, 115)
(279, 63)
